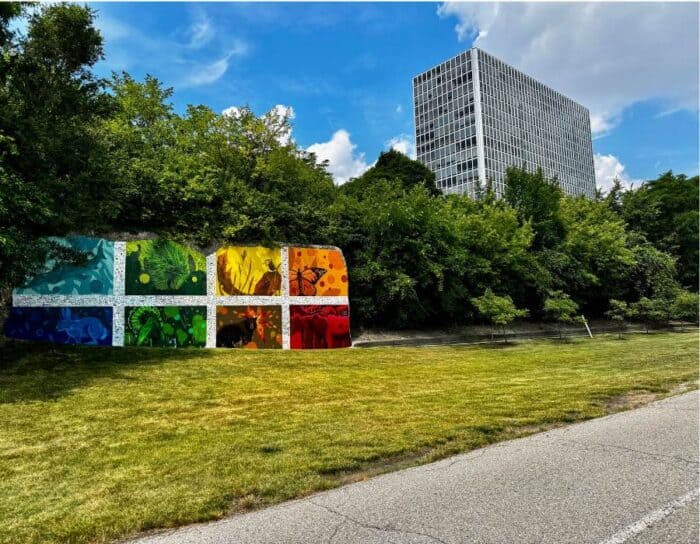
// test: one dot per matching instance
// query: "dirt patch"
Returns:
(637, 399)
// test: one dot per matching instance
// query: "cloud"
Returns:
(343, 162)
(403, 144)
(201, 31)
(399, 108)
(607, 56)
(607, 169)
(129, 48)
(205, 74)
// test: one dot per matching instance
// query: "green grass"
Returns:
(99, 443)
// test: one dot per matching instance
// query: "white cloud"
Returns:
(233, 111)
(206, 74)
(343, 162)
(606, 56)
(185, 65)
(403, 144)
(201, 31)
(607, 168)
(399, 108)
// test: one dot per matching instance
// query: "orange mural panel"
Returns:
(317, 272)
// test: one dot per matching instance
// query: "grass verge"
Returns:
(100, 443)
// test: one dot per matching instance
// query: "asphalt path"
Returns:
(628, 478)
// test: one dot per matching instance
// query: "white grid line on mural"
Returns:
(119, 301)
(211, 308)
(119, 284)
(284, 265)
(49, 301)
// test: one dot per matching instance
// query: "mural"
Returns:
(248, 271)
(166, 326)
(163, 267)
(249, 327)
(96, 277)
(75, 325)
(155, 293)
(317, 272)
(314, 327)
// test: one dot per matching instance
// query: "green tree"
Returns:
(204, 177)
(665, 211)
(619, 311)
(593, 261)
(685, 306)
(559, 307)
(653, 274)
(499, 311)
(537, 200)
(393, 165)
(53, 174)
(651, 312)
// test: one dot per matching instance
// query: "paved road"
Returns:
(631, 477)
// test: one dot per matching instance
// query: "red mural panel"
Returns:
(319, 327)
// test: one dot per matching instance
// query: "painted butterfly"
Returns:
(304, 281)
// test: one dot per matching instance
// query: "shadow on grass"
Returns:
(33, 371)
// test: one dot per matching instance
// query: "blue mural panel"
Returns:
(96, 277)
(75, 325)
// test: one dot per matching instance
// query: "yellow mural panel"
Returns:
(248, 270)
(317, 272)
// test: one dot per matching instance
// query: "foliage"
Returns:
(559, 307)
(52, 176)
(78, 154)
(650, 311)
(665, 211)
(416, 259)
(597, 259)
(537, 200)
(392, 166)
(685, 306)
(619, 311)
(500, 311)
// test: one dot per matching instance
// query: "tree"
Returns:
(53, 174)
(619, 311)
(650, 311)
(685, 306)
(499, 311)
(393, 165)
(537, 200)
(665, 211)
(654, 272)
(595, 259)
(559, 307)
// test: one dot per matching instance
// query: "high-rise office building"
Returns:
(475, 116)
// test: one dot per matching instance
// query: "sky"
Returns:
(344, 71)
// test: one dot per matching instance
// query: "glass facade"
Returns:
(476, 115)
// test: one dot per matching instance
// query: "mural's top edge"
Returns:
(143, 236)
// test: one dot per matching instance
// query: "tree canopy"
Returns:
(82, 154)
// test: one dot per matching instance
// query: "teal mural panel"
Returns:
(95, 277)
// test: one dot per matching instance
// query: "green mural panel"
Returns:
(166, 326)
(163, 267)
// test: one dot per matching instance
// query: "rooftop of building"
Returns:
(526, 75)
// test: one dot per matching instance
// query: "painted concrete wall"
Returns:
(161, 293)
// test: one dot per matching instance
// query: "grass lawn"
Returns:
(99, 443)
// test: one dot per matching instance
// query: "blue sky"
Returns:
(346, 69)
